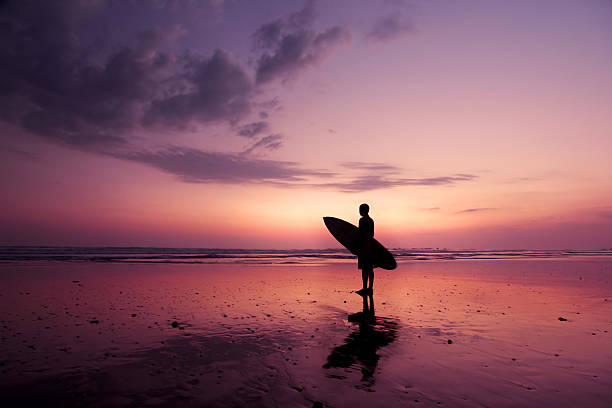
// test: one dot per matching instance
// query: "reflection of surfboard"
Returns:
(347, 234)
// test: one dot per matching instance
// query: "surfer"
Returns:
(364, 262)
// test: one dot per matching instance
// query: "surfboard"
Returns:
(347, 234)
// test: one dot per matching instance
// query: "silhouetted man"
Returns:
(364, 259)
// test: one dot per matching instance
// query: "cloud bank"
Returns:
(375, 182)
(197, 166)
(55, 84)
(289, 45)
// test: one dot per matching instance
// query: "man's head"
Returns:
(364, 209)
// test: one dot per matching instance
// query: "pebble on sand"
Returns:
(174, 324)
(562, 319)
(450, 341)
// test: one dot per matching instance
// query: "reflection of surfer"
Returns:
(361, 346)
(364, 259)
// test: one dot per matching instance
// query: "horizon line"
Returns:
(293, 249)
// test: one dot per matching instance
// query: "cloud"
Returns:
(380, 167)
(392, 26)
(215, 88)
(290, 45)
(432, 209)
(253, 129)
(473, 210)
(375, 176)
(54, 85)
(270, 34)
(303, 18)
(198, 166)
(51, 88)
(375, 182)
(271, 142)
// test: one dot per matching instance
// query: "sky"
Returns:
(240, 124)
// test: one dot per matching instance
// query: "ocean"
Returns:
(270, 256)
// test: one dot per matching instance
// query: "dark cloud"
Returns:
(55, 85)
(99, 104)
(197, 166)
(217, 88)
(375, 182)
(290, 45)
(473, 210)
(303, 18)
(269, 34)
(364, 183)
(51, 85)
(391, 27)
(152, 39)
(51, 88)
(271, 104)
(253, 129)
(432, 209)
(437, 181)
(271, 142)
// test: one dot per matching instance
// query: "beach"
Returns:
(455, 333)
(197, 196)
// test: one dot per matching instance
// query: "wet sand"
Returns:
(435, 333)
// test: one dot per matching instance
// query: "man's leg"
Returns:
(371, 276)
(364, 277)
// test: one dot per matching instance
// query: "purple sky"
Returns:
(241, 124)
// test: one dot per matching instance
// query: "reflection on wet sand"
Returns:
(361, 346)
(116, 334)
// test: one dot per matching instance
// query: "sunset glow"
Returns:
(240, 125)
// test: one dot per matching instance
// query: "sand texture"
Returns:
(472, 333)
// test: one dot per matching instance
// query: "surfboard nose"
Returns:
(327, 221)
